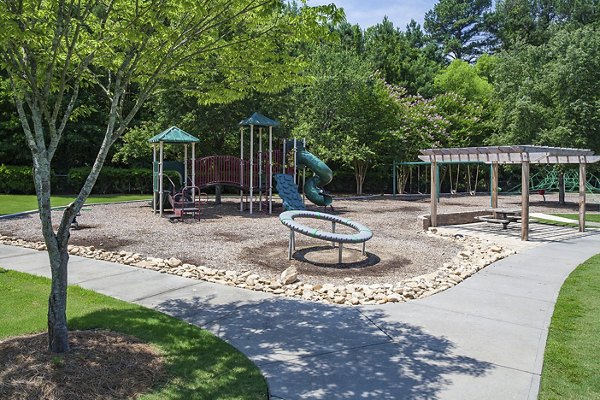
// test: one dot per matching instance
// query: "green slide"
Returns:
(322, 176)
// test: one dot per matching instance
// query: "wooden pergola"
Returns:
(524, 155)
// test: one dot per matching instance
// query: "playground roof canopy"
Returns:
(259, 120)
(174, 135)
(511, 155)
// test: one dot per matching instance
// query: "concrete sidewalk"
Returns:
(483, 339)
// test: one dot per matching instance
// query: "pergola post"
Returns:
(582, 176)
(494, 191)
(434, 194)
(525, 200)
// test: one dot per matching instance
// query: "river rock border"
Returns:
(476, 255)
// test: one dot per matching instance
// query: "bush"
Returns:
(114, 180)
(16, 179)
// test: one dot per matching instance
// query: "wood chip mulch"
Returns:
(100, 365)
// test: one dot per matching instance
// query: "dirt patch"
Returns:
(228, 239)
(100, 365)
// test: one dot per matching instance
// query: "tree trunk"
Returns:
(360, 172)
(58, 333)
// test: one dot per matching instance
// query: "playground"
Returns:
(226, 239)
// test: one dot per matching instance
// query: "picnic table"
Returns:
(502, 216)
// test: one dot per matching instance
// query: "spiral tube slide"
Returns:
(322, 176)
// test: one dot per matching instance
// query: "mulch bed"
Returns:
(100, 365)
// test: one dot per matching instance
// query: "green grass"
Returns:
(200, 365)
(15, 203)
(588, 217)
(573, 348)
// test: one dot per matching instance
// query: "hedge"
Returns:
(16, 179)
(19, 180)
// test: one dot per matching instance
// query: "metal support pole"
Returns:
(582, 180)
(525, 200)
(340, 253)
(364, 252)
(304, 177)
(160, 181)
(394, 179)
(241, 169)
(270, 170)
(284, 157)
(260, 165)
(295, 151)
(153, 175)
(333, 231)
(290, 244)
(251, 167)
(185, 166)
(194, 165)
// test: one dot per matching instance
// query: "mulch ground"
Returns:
(100, 365)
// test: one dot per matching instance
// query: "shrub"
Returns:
(114, 180)
(15, 179)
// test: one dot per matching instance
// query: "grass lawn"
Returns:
(200, 365)
(15, 203)
(573, 348)
(588, 217)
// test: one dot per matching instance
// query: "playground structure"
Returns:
(252, 173)
(414, 177)
(362, 234)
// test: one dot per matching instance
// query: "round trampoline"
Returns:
(288, 218)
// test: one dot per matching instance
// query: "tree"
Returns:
(343, 110)
(50, 50)
(408, 59)
(549, 94)
(460, 27)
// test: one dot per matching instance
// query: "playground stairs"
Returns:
(288, 191)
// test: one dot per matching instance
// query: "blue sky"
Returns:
(370, 12)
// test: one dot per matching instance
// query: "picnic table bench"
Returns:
(501, 216)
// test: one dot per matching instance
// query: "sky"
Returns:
(370, 12)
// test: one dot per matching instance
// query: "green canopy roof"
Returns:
(174, 135)
(259, 120)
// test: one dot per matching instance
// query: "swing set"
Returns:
(410, 178)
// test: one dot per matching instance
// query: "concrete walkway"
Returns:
(483, 339)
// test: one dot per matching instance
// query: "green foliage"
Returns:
(114, 180)
(406, 59)
(199, 365)
(462, 78)
(460, 27)
(16, 179)
(550, 94)
(535, 22)
(418, 125)
(573, 345)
